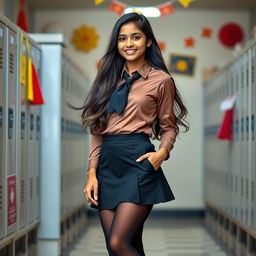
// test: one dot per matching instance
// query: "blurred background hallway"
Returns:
(49, 54)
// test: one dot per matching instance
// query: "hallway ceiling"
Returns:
(211, 4)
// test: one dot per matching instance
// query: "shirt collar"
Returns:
(143, 70)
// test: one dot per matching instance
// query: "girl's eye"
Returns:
(136, 37)
(121, 38)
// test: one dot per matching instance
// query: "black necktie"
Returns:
(118, 99)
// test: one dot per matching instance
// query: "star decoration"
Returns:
(189, 42)
(206, 32)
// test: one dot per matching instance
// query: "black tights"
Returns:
(123, 227)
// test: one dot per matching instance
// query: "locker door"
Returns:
(253, 137)
(11, 172)
(2, 176)
(32, 152)
(36, 57)
(23, 141)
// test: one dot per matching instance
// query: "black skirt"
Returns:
(122, 179)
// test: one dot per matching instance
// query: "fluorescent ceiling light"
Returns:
(146, 11)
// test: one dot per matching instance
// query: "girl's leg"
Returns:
(129, 218)
(137, 240)
(106, 219)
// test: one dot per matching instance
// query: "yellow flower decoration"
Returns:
(85, 38)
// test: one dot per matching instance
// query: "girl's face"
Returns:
(132, 43)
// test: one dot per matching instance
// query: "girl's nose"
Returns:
(129, 42)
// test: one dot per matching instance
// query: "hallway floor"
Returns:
(161, 237)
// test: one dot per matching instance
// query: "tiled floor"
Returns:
(161, 237)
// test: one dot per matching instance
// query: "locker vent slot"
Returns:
(253, 73)
(31, 188)
(253, 191)
(22, 191)
(11, 63)
(1, 58)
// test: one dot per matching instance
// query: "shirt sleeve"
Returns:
(94, 152)
(167, 120)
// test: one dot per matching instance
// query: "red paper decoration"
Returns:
(206, 32)
(225, 130)
(38, 97)
(189, 42)
(22, 17)
(166, 9)
(230, 34)
(117, 7)
(162, 46)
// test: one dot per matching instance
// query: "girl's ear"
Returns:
(149, 43)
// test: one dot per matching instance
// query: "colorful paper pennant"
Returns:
(166, 9)
(227, 106)
(23, 64)
(30, 95)
(22, 17)
(97, 2)
(38, 96)
(117, 7)
(185, 3)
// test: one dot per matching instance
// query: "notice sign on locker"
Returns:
(12, 210)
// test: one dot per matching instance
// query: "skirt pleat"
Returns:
(122, 179)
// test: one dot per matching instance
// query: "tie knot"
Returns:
(134, 77)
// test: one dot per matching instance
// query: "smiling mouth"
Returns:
(130, 52)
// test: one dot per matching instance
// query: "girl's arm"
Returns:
(166, 115)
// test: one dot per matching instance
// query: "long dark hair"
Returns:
(94, 113)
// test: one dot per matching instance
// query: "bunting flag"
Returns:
(166, 9)
(23, 64)
(30, 95)
(22, 17)
(38, 97)
(206, 32)
(97, 2)
(117, 7)
(225, 129)
(185, 3)
(189, 42)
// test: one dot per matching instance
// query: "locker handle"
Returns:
(252, 126)
(23, 121)
(22, 124)
(10, 123)
(247, 128)
(31, 122)
(31, 126)
(1, 116)
(37, 127)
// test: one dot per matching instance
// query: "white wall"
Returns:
(184, 168)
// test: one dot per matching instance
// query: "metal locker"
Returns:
(249, 136)
(11, 172)
(32, 155)
(2, 93)
(253, 136)
(23, 140)
(37, 140)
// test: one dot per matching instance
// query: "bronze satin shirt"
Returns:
(150, 96)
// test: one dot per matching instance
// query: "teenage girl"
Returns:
(133, 98)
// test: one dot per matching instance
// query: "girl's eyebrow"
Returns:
(136, 33)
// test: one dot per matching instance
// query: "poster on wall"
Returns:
(182, 64)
